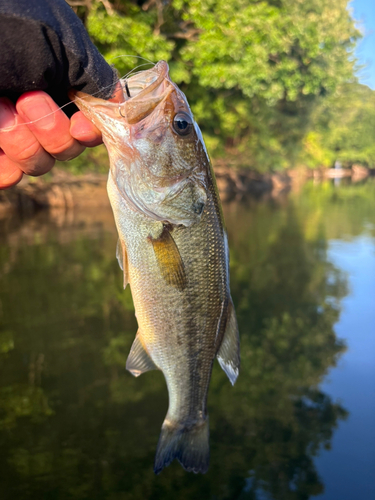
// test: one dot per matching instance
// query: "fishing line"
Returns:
(131, 72)
(137, 57)
(123, 78)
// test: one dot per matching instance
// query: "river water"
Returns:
(298, 424)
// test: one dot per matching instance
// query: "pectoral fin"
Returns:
(169, 259)
(139, 360)
(122, 259)
(229, 352)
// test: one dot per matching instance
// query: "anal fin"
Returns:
(139, 360)
(169, 259)
(229, 353)
(122, 259)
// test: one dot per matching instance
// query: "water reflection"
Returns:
(74, 424)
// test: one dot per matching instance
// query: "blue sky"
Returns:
(363, 12)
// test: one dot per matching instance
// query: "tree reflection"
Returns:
(77, 426)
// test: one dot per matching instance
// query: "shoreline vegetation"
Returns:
(63, 190)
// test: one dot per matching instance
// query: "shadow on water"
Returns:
(74, 424)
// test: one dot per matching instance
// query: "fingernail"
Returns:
(38, 111)
(7, 115)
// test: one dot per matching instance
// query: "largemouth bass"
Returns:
(173, 252)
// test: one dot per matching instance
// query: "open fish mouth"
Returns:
(146, 82)
(142, 93)
(153, 146)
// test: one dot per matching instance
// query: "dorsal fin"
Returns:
(139, 360)
(229, 353)
(169, 259)
(122, 259)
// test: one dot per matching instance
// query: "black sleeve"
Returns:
(44, 46)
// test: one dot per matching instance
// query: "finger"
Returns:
(20, 144)
(10, 173)
(49, 124)
(84, 131)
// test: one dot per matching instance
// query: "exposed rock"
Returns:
(236, 182)
(63, 190)
(359, 172)
(337, 173)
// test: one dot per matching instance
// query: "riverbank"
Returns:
(61, 189)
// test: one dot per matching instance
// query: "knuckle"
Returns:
(30, 152)
(67, 151)
(60, 148)
(34, 160)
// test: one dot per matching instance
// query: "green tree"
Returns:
(344, 128)
(253, 72)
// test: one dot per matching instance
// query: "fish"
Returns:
(173, 251)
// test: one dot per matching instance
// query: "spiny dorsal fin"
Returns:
(169, 259)
(229, 352)
(139, 360)
(122, 259)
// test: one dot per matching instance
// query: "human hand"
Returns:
(32, 148)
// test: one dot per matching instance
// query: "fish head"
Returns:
(158, 158)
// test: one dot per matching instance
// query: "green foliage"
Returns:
(22, 400)
(93, 159)
(344, 128)
(270, 50)
(256, 74)
(357, 202)
(127, 31)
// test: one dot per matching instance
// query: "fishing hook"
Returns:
(119, 110)
(128, 94)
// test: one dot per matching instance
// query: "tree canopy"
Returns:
(261, 76)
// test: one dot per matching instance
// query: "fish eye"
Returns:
(182, 124)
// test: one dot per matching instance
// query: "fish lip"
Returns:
(84, 99)
(156, 86)
(95, 109)
(162, 71)
(135, 108)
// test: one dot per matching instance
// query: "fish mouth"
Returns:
(142, 93)
(138, 125)
(146, 82)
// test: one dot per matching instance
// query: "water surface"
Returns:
(299, 422)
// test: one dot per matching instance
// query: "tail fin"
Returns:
(188, 444)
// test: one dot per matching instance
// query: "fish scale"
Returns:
(173, 254)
